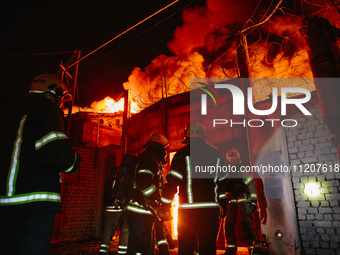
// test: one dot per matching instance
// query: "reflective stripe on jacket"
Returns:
(194, 193)
(34, 150)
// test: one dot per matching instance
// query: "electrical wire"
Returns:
(127, 30)
(264, 21)
(335, 5)
(137, 36)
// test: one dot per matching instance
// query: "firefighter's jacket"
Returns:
(241, 189)
(146, 184)
(195, 193)
(34, 151)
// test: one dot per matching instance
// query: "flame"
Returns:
(175, 204)
(203, 46)
(107, 105)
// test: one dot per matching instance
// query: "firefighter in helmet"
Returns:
(198, 212)
(242, 197)
(34, 151)
(141, 212)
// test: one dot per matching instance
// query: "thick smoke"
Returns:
(204, 46)
(197, 43)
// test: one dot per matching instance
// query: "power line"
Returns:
(140, 34)
(123, 33)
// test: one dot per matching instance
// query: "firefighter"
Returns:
(242, 197)
(34, 151)
(114, 220)
(142, 208)
(198, 211)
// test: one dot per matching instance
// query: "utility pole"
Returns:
(243, 60)
(73, 93)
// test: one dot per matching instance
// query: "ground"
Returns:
(92, 247)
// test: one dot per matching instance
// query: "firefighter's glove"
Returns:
(253, 205)
(164, 212)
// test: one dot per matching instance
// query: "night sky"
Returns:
(29, 28)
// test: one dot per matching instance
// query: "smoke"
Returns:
(199, 22)
(196, 44)
(165, 76)
(204, 46)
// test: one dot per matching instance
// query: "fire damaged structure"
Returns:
(298, 210)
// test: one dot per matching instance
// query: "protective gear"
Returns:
(142, 209)
(233, 157)
(242, 203)
(51, 85)
(253, 205)
(32, 136)
(199, 197)
(194, 130)
(114, 215)
(114, 220)
(159, 138)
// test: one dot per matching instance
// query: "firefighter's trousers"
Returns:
(161, 239)
(140, 233)
(197, 224)
(26, 234)
(242, 210)
(114, 220)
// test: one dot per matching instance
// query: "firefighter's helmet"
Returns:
(159, 138)
(233, 156)
(47, 83)
(195, 130)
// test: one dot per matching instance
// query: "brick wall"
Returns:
(319, 217)
(79, 198)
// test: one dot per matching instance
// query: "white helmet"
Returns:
(47, 83)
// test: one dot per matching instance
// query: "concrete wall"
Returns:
(309, 144)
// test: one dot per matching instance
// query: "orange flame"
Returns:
(175, 204)
(106, 105)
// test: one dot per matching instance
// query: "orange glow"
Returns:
(175, 204)
(106, 105)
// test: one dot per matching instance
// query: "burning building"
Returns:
(295, 217)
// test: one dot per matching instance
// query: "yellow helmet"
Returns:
(47, 83)
(195, 130)
(159, 138)
(233, 156)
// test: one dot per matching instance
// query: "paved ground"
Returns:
(92, 247)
